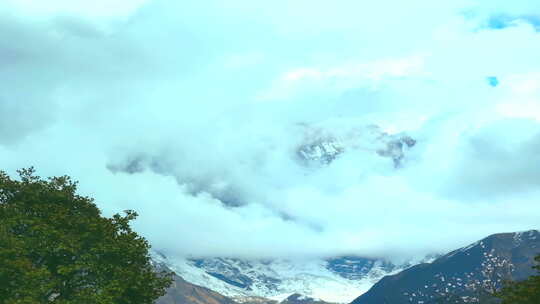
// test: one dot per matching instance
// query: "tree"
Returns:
(56, 248)
(523, 292)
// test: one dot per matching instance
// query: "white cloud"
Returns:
(337, 79)
(92, 9)
(371, 71)
(205, 104)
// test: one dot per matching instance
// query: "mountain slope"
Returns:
(465, 272)
(297, 298)
(182, 292)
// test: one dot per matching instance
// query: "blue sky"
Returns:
(211, 99)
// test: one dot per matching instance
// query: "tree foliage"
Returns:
(522, 292)
(55, 247)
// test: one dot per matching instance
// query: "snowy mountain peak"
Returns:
(323, 147)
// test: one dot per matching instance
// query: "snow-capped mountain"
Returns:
(338, 280)
(322, 147)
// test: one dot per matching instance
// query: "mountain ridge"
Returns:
(480, 267)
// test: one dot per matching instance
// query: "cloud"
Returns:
(339, 78)
(193, 115)
(94, 9)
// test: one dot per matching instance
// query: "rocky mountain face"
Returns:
(337, 280)
(463, 275)
(182, 292)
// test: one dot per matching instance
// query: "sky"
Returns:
(191, 113)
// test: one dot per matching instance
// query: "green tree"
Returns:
(522, 292)
(55, 247)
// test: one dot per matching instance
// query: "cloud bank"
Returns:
(192, 114)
